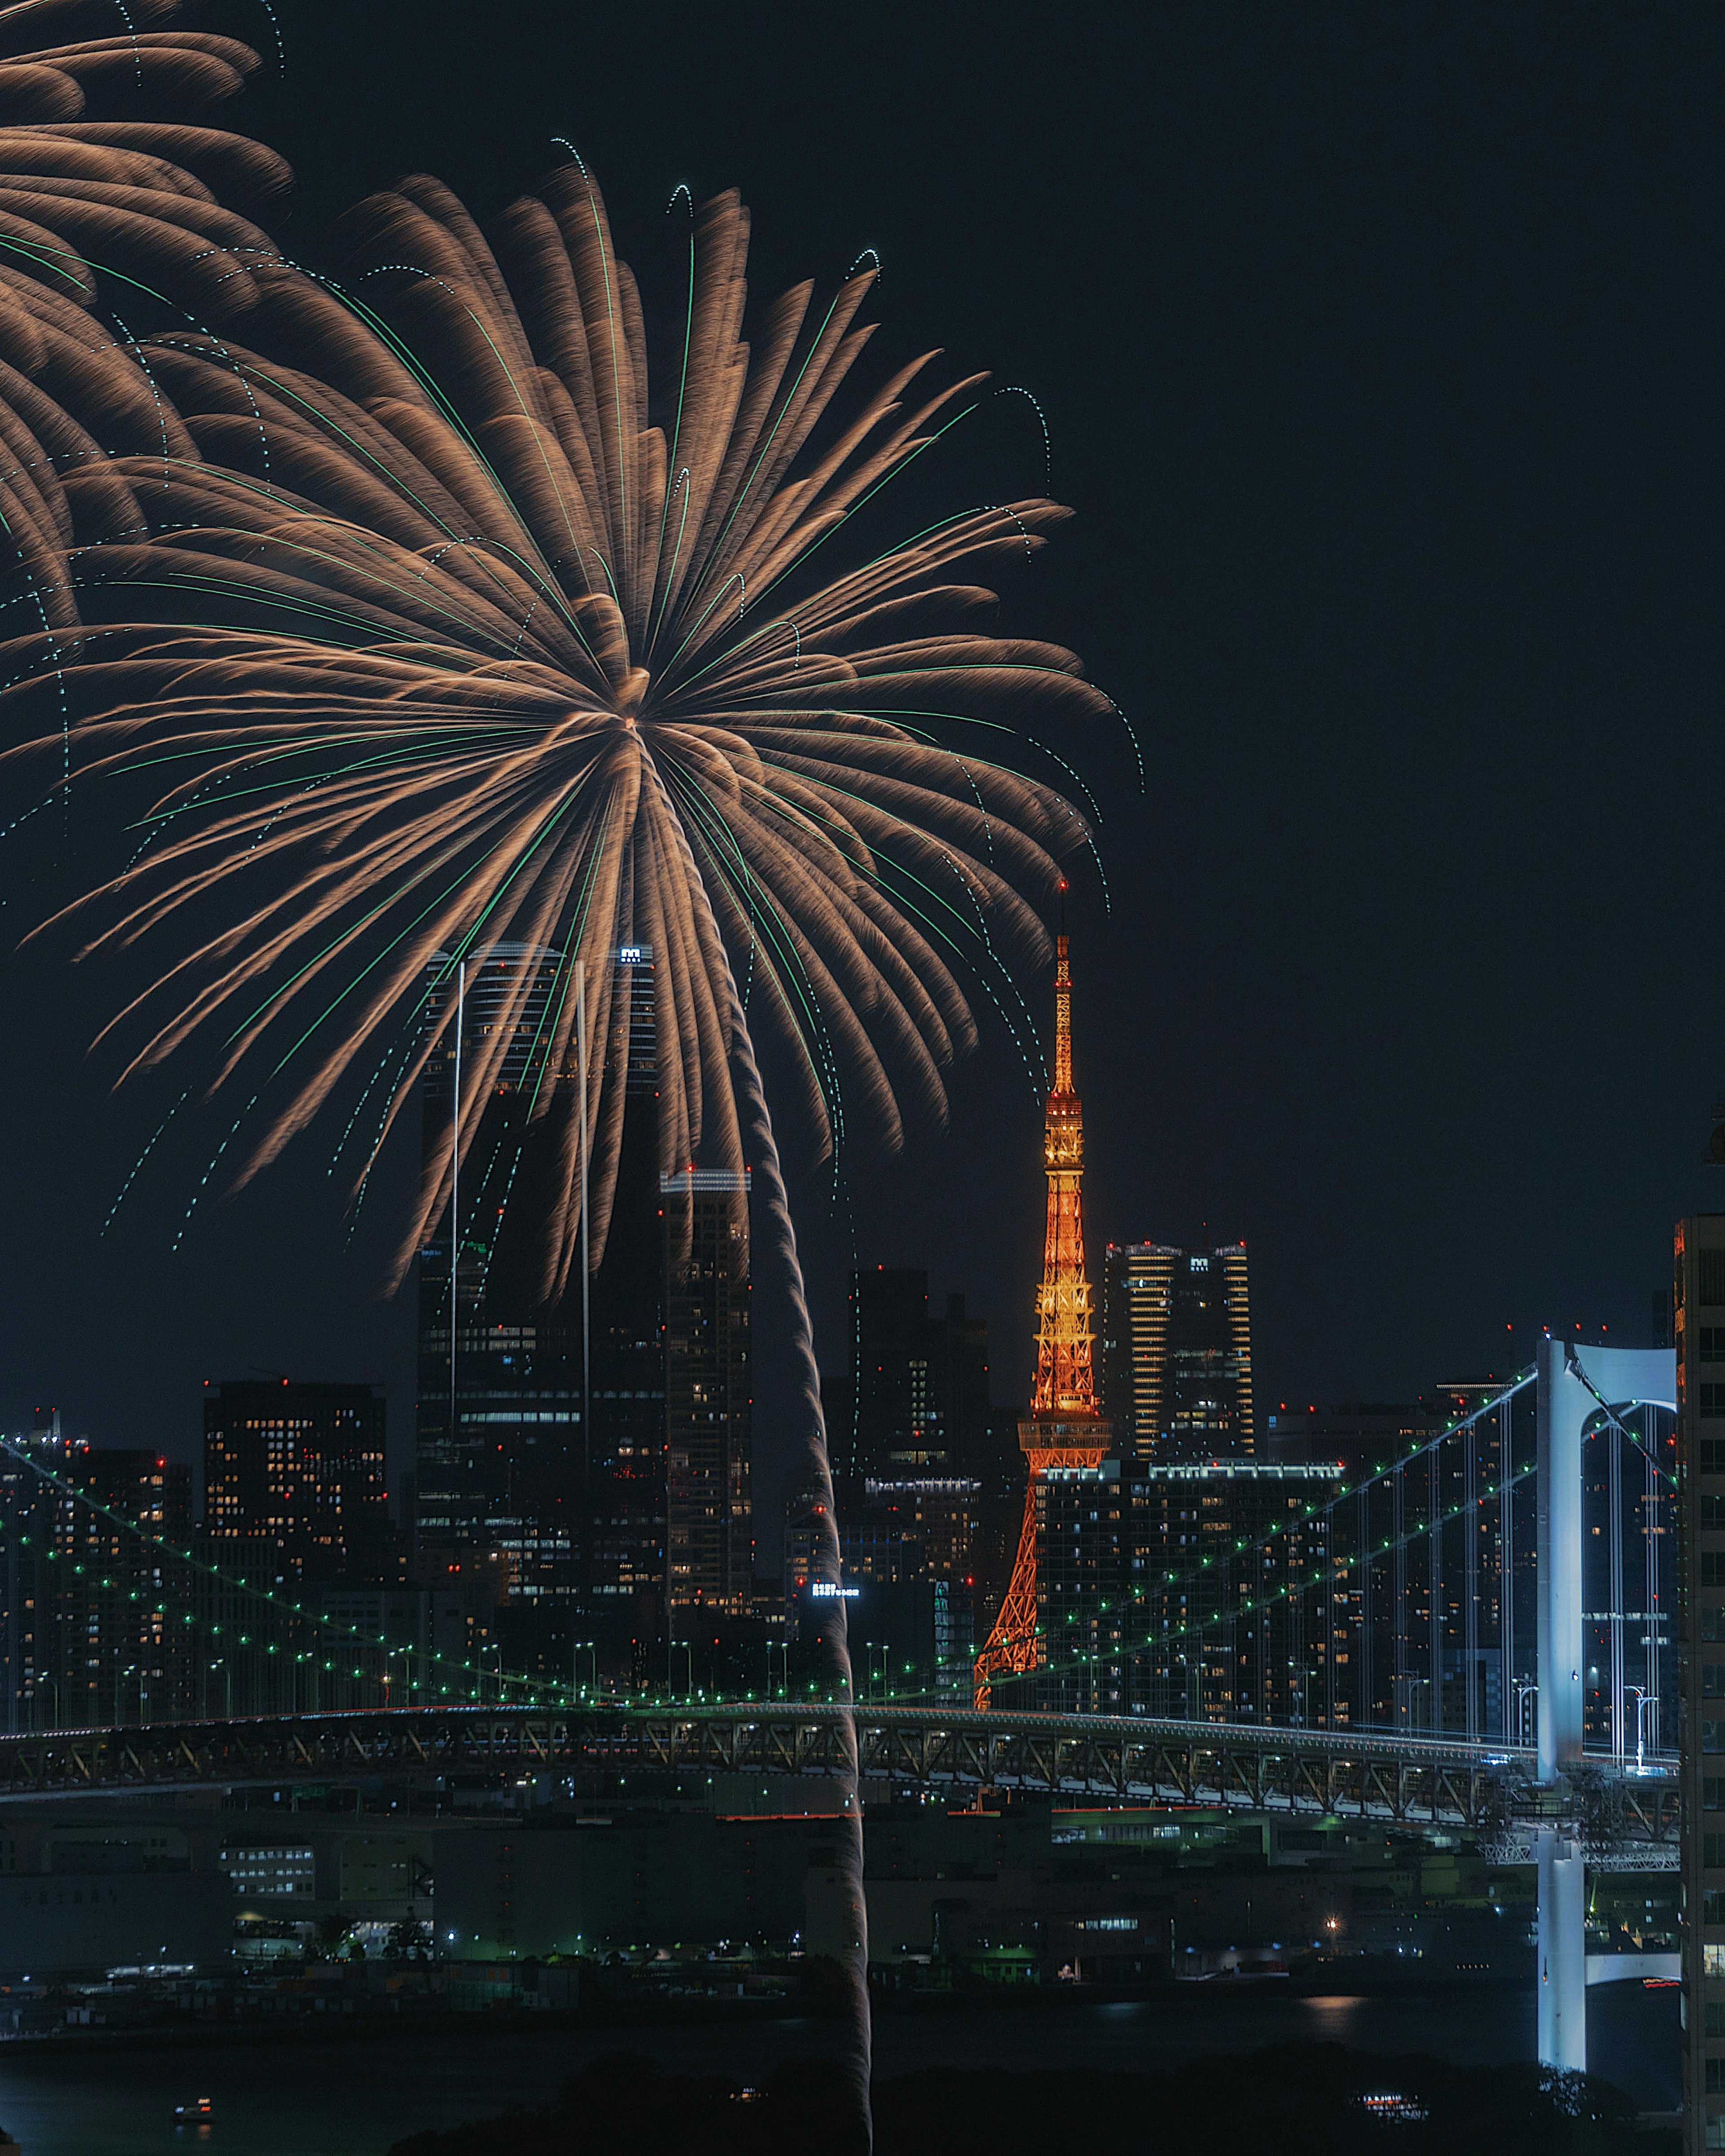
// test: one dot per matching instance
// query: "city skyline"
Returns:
(1317, 1037)
(852, 868)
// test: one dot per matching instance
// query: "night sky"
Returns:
(1380, 350)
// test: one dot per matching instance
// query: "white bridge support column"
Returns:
(1571, 1382)
(1563, 1950)
(1564, 1405)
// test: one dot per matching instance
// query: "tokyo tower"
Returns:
(1063, 1428)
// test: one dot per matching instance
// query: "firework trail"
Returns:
(454, 629)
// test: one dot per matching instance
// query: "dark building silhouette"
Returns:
(894, 1420)
(919, 1385)
(296, 1468)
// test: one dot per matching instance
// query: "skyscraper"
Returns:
(549, 1439)
(709, 1404)
(297, 1469)
(895, 1422)
(503, 1411)
(1216, 1550)
(1178, 1352)
(88, 1623)
(918, 1387)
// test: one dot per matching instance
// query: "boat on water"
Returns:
(195, 2112)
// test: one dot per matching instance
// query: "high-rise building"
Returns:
(501, 1437)
(297, 1469)
(905, 1545)
(1178, 1352)
(1217, 1552)
(918, 1386)
(895, 1422)
(958, 1368)
(596, 1433)
(1084, 1607)
(709, 1403)
(96, 1592)
(1698, 1314)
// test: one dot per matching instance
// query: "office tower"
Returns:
(1365, 1435)
(958, 1378)
(1065, 1428)
(544, 1439)
(709, 1405)
(95, 1597)
(1084, 1606)
(503, 1415)
(1698, 1316)
(295, 1471)
(1177, 1352)
(905, 1544)
(894, 1416)
(917, 1394)
(1235, 1587)
(805, 1529)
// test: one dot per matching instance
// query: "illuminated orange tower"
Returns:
(1063, 1428)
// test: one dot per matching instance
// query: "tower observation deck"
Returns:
(1063, 1428)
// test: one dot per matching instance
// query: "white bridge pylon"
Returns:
(1573, 1384)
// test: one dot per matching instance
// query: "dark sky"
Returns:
(1380, 348)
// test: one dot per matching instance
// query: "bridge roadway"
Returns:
(1411, 1780)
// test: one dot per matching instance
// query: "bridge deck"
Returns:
(1418, 1781)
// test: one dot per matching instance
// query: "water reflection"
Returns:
(353, 2099)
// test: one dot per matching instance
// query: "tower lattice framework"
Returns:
(1063, 1428)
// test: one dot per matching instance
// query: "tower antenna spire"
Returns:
(1063, 1428)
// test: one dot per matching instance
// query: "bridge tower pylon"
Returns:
(1574, 1383)
(1065, 1428)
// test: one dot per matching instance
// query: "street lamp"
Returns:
(1523, 1685)
(1644, 1700)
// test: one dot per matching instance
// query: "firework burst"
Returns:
(75, 187)
(540, 666)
